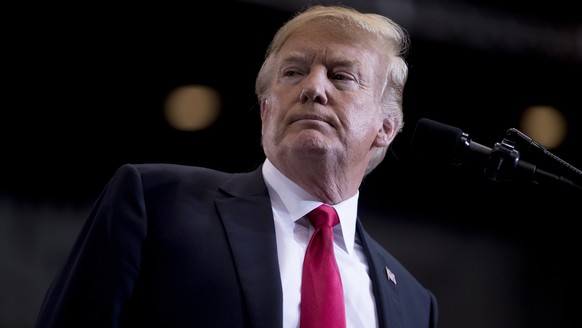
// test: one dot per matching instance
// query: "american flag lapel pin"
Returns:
(390, 275)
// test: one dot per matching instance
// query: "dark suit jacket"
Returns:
(179, 246)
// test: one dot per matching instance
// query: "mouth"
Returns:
(310, 118)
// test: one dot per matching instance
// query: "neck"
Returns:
(329, 183)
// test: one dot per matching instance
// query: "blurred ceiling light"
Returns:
(544, 124)
(192, 107)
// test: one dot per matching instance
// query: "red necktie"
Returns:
(322, 297)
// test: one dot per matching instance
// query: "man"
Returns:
(179, 246)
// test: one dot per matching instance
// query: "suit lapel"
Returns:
(248, 221)
(385, 290)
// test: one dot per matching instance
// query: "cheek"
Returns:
(364, 125)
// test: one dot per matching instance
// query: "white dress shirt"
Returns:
(290, 204)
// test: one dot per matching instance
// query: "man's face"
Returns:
(325, 99)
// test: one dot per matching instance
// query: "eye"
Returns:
(290, 73)
(342, 77)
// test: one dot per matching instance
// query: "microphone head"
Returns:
(438, 142)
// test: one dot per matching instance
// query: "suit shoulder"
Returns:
(166, 173)
(169, 171)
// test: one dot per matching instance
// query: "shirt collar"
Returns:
(294, 202)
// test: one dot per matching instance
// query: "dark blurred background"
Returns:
(85, 89)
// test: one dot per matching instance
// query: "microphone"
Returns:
(447, 144)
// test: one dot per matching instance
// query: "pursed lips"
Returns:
(310, 117)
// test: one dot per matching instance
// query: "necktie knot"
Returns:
(323, 215)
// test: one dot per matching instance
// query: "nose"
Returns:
(314, 88)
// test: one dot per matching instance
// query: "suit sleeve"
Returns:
(100, 272)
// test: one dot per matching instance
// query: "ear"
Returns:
(263, 107)
(386, 133)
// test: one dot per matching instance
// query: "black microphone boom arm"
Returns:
(503, 163)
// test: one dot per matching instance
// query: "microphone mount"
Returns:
(504, 163)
